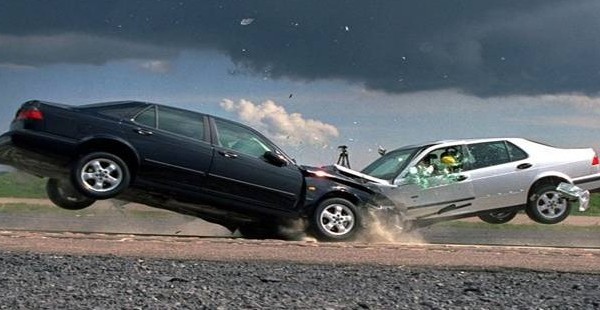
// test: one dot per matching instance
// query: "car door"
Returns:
(173, 145)
(436, 191)
(241, 173)
(501, 173)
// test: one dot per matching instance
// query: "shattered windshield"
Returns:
(391, 164)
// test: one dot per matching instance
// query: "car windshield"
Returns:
(391, 164)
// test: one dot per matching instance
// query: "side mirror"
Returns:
(275, 159)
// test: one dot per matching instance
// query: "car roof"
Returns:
(112, 103)
(457, 141)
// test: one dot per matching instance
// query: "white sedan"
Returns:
(489, 178)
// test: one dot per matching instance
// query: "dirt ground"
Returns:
(215, 243)
(228, 249)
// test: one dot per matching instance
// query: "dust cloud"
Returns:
(374, 232)
(377, 232)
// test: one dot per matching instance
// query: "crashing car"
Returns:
(492, 179)
(184, 161)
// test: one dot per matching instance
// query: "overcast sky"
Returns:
(313, 75)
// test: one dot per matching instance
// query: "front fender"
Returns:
(319, 189)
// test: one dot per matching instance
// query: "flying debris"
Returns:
(246, 21)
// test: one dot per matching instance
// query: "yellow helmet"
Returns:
(448, 160)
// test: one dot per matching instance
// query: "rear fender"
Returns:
(551, 176)
(110, 144)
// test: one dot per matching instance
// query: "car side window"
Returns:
(241, 139)
(515, 152)
(442, 161)
(147, 117)
(183, 123)
(488, 154)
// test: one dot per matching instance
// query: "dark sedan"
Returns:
(184, 161)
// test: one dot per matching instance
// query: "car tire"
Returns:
(336, 219)
(498, 217)
(547, 206)
(100, 175)
(63, 194)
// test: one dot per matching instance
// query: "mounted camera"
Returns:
(343, 158)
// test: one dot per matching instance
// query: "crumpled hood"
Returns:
(345, 176)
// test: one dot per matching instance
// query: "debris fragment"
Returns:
(269, 279)
(246, 21)
(172, 279)
(575, 193)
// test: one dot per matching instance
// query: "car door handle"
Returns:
(524, 166)
(143, 132)
(228, 154)
(461, 178)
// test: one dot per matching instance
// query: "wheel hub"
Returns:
(551, 204)
(101, 175)
(337, 219)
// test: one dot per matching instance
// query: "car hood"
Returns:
(346, 176)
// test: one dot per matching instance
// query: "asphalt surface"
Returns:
(44, 281)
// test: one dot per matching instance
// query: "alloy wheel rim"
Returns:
(551, 204)
(337, 219)
(101, 175)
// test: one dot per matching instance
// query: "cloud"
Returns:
(285, 128)
(156, 66)
(16, 67)
(589, 122)
(584, 103)
(487, 48)
(37, 50)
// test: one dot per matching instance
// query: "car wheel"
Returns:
(498, 217)
(547, 206)
(100, 175)
(336, 219)
(63, 194)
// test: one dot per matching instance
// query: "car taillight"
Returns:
(595, 161)
(30, 114)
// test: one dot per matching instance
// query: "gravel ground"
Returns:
(45, 281)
